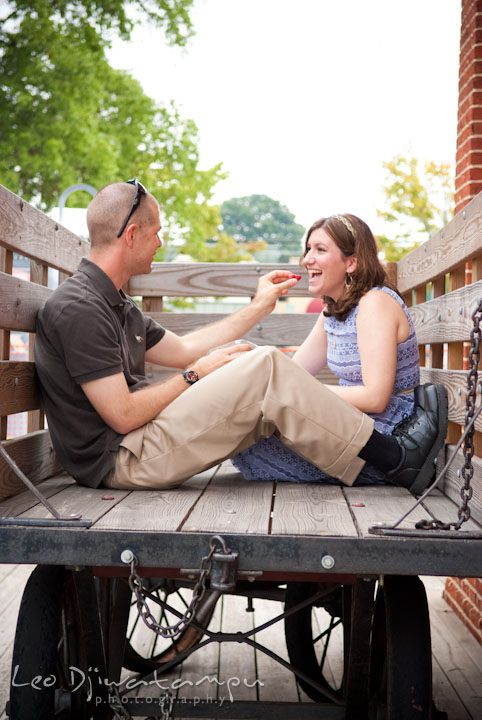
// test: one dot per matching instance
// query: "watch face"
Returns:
(191, 376)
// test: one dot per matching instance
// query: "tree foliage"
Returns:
(101, 16)
(258, 218)
(418, 202)
(69, 117)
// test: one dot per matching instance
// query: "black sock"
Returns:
(382, 451)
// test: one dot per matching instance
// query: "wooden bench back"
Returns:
(431, 278)
(441, 282)
(30, 233)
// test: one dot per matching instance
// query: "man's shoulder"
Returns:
(74, 295)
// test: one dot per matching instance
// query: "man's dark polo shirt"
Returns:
(88, 330)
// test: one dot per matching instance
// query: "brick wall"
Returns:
(468, 170)
(464, 595)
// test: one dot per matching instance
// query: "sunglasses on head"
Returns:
(140, 191)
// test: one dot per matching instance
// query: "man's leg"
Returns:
(227, 411)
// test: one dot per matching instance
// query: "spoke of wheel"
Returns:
(162, 620)
(327, 642)
(156, 639)
(332, 626)
(133, 629)
(181, 597)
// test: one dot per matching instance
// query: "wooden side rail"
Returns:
(441, 282)
(30, 233)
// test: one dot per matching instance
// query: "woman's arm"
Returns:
(381, 324)
(311, 355)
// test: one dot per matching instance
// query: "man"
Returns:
(110, 426)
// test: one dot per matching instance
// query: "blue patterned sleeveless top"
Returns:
(343, 359)
(270, 459)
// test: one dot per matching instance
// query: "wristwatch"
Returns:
(190, 376)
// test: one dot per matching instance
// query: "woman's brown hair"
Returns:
(353, 237)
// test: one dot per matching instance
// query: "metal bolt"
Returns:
(259, 327)
(461, 310)
(258, 269)
(464, 214)
(327, 561)
(439, 317)
(15, 382)
(459, 392)
(127, 556)
(458, 473)
(442, 234)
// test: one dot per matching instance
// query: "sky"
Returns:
(303, 100)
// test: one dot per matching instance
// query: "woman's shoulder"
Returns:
(379, 297)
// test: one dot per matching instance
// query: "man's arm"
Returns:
(125, 411)
(180, 351)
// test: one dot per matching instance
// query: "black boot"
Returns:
(420, 437)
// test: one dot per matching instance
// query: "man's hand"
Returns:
(181, 351)
(124, 411)
(217, 358)
(272, 286)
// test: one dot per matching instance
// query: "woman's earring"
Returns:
(348, 280)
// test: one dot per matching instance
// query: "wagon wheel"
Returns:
(310, 636)
(400, 684)
(145, 651)
(48, 642)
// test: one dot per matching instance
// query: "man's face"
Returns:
(147, 242)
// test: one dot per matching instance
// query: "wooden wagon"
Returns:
(307, 545)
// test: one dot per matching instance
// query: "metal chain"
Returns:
(115, 704)
(166, 703)
(172, 631)
(468, 468)
(466, 491)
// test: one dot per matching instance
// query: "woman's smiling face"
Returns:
(327, 266)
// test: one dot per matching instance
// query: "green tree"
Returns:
(68, 117)
(101, 16)
(418, 202)
(260, 218)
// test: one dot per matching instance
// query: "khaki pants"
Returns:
(253, 396)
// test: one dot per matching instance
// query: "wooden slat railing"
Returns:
(29, 232)
(436, 284)
(208, 280)
(445, 252)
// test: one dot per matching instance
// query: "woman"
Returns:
(365, 335)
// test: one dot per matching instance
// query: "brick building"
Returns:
(465, 595)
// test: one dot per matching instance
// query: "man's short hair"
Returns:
(108, 209)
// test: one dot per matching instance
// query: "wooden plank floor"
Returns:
(457, 657)
(221, 500)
